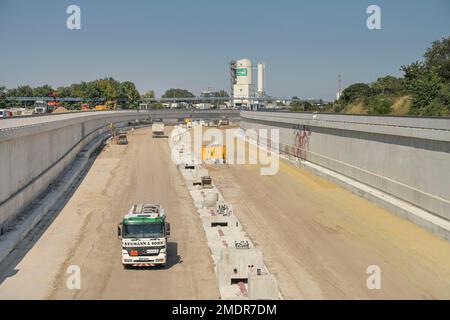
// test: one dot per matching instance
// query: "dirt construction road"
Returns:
(319, 239)
(85, 234)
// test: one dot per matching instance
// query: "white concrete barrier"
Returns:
(33, 153)
(237, 265)
(210, 199)
(263, 287)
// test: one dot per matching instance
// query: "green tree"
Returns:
(444, 95)
(43, 91)
(21, 91)
(129, 92)
(425, 89)
(92, 90)
(150, 94)
(428, 81)
(109, 88)
(437, 58)
(220, 94)
(355, 91)
(62, 92)
(178, 93)
(388, 85)
(296, 105)
(308, 106)
(3, 94)
(378, 105)
(413, 71)
(75, 90)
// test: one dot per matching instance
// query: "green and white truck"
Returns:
(144, 233)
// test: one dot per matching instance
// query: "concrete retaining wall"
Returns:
(35, 150)
(406, 157)
(31, 157)
(233, 115)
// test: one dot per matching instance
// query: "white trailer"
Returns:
(158, 129)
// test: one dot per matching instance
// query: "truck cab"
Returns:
(40, 107)
(144, 233)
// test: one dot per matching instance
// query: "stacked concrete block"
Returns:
(234, 255)
(236, 265)
(216, 220)
(210, 198)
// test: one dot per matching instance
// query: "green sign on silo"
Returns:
(241, 72)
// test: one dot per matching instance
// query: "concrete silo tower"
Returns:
(242, 82)
(261, 80)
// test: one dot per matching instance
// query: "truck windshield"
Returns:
(144, 230)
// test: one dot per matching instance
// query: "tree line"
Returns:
(107, 90)
(426, 82)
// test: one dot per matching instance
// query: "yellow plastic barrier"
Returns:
(214, 152)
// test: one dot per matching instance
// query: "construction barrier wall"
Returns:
(407, 157)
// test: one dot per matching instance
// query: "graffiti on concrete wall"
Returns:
(301, 141)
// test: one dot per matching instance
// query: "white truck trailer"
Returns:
(158, 129)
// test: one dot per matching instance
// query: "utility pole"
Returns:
(339, 92)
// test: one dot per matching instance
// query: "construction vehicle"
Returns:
(121, 136)
(5, 113)
(144, 233)
(188, 122)
(224, 122)
(102, 107)
(53, 105)
(158, 129)
(40, 107)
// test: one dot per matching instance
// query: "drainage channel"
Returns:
(238, 263)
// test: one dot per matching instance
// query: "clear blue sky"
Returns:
(187, 44)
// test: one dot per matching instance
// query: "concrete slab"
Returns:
(238, 264)
(263, 287)
(220, 220)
